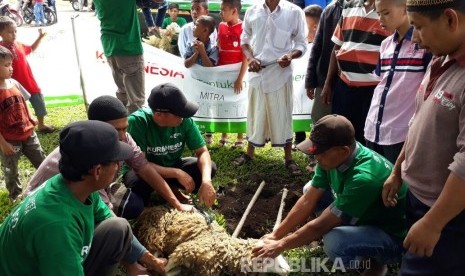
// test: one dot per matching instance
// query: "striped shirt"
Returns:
(402, 67)
(360, 35)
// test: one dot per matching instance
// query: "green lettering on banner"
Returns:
(60, 101)
(240, 127)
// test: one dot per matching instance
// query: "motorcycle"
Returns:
(28, 13)
(7, 10)
(76, 5)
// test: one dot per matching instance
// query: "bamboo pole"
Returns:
(81, 76)
(247, 211)
(281, 209)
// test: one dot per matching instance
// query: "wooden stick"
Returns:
(281, 209)
(247, 211)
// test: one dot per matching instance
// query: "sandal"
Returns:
(239, 144)
(208, 138)
(292, 167)
(46, 130)
(311, 166)
(222, 142)
(243, 159)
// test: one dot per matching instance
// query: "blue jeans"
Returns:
(449, 252)
(38, 104)
(355, 243)
(39, 13)
(161, 11)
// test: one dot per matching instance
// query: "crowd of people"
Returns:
(386, 147)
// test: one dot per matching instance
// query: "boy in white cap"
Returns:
(432, 161)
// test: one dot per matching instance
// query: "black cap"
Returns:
(330, 131)
(87, 143)
(168, 98)
(106, 108)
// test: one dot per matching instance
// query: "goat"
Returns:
(190, 243)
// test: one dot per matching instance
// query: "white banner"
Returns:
(55, 68)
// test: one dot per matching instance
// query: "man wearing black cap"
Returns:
(64, 228)
(162, 132)
(110, 110)
(356, 224)
(125, 204)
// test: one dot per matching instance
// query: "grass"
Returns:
(268, 165)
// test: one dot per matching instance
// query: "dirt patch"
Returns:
(233, 201)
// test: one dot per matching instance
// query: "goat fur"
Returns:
(189, 242)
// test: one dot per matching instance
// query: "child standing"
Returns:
(320, 55)
(173, 11)
(16, 127)
(230, 51)
(312, 18)
(350, 81)
(393, 102)
(432, 161)
(186, 36)
(201, 50)
(39, 17)
(21, 69)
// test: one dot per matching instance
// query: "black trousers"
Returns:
(110, 244)
(188, 164)
(391, 152)
(352, 103)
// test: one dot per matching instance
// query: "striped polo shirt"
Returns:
(359, 34)
(401, 67)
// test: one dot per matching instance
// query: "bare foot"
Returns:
(153, 263)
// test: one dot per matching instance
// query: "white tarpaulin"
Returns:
(55, 68)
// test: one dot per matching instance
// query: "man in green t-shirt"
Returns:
(356, 224)
(63, 227)
(122, 45)
(162, 132)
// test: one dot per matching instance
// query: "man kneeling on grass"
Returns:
(64, 228)
(349, 178)
(162, 132)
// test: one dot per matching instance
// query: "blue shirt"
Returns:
(212, 52)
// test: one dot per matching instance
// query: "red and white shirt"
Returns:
(21, 70)
(359, 34)
(229, 43)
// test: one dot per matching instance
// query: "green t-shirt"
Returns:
(167, 21)
(50, 232)
(119, 26)
(163, 145)
(357, 191)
